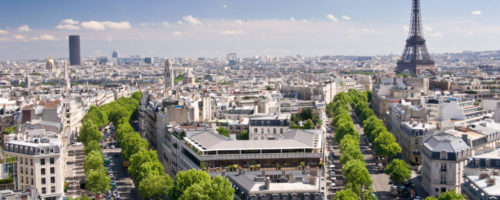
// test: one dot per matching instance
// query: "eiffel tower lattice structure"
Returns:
(416, 59)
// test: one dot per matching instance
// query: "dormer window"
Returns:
(444, 155)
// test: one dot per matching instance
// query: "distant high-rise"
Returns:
(74, 50)
(115, 54)
(169, 75)
(415, 59)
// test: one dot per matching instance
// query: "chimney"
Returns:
(241, 171)
(465, 138)
(490, 182)
(266, 182)
(263, 173)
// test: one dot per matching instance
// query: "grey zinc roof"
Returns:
(291, 139)
(445, 142)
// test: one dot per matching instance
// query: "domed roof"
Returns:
(50, 64)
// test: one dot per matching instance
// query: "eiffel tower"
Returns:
(415, 59)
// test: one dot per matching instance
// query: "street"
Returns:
(380, 180)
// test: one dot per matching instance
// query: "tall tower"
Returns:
(169, 75)
(74, 50)
(66, 77)
(28, 80)
(415, 59)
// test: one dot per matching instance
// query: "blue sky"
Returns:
(170, 28)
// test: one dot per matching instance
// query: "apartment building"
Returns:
(39, 162)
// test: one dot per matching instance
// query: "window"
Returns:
(44, 191)
(443, 167)
(26, 171)
(21, 170)
(274, 130)
(32, 181)
(281, 130)
(31, 171)
(21, 161)
(443, 179)
(53, 189)
(52, 170)
(52, 179)
(255, 130)
(262, 130)
(51, 161)
(26, 161)
(22, 178)
(31, 162)
(444, 155)
(42, 171)
(43, 180)
(416, 141)
(42, 161)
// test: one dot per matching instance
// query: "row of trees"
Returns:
(359, 182)
(144, 166)
(383, 141)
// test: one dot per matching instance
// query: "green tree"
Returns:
(398, 171)
(89, 132)
(309, 124)
(346, 194)
(92, 146)
(93, 161)
(117, 114)
(131, 144)
(96, 181)
(84, 197)
(293, 125)
(223, 131)
(243, 135)
(449, 195)
(9, 130)
(155, 186)
(149, 168)
(218, 188)
(357, 176)
(386, 146)
(184, 179)
(137, 159)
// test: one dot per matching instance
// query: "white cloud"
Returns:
(239, 21)
(406, 28)
(190, 19)
(177, 33)
(292, 19)
(165, 23)
(20, 37)
(346, 17)
(180, 22)
(2, 32)
(427, 28)
(24, 28)
(331, 17)
(68, 24)
(70, 21)
(46, 37)
(231, 32)
(67, 27)
(224, 6)
(477, 12)
(99, 26)
(4, 39)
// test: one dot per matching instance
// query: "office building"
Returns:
(74, 50)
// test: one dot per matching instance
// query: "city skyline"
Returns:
(213, 28)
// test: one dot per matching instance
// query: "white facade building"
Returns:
(39, 162)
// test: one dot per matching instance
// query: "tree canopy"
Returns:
(223, 131)
(399, 171)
